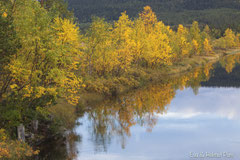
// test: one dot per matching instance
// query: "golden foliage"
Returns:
(195, 46)
(182, 41)
(229, 40)
(149, 18)
(123, 41)
(229, 62)
(48, 55)
(4, 15)
(114, 49)
(10, 149)
(207, 47)
(158, 50)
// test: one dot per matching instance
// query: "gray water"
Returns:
(194, 116)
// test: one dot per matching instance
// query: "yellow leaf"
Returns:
(4, 14)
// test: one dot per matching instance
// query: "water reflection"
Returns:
(226, 73)
(115, 118)
(60, 149)
(185, 113)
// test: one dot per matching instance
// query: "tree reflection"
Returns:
(59, 148)
(230, 61)
(115, 117)
(226, 73)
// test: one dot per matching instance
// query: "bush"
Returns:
(14, 150)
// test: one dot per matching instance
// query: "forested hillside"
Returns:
(219, 14)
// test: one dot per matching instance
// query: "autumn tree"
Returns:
(207, 47)
(195, 47)
(149, 18)
(181, 44)
(42, 68)
(139, 37)
(98, 54)
(206, 33)
(229, 40)
(123, 41)
(158, 49)
(195, 34)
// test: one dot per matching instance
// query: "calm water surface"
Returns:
(177, 119)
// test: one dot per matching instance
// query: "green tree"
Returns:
(42, 68)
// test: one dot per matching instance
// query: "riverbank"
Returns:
(151, 110)
(66, 114)
(100, 88)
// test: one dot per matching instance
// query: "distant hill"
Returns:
(217, 13)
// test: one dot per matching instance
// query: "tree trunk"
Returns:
(21, 132)
(35, 125)
(42, 3)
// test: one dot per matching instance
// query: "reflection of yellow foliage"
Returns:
(141, 106)
(207, 69)
(196, 73)
(229, 62)
(183, 82)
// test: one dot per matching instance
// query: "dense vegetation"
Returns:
(219, 14)
(44, 57)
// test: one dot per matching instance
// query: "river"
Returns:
(191, 116)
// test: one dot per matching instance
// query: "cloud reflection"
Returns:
(210, 102)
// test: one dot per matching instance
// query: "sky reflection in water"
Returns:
(208, 122)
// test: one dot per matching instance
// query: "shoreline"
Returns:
(154, 75)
